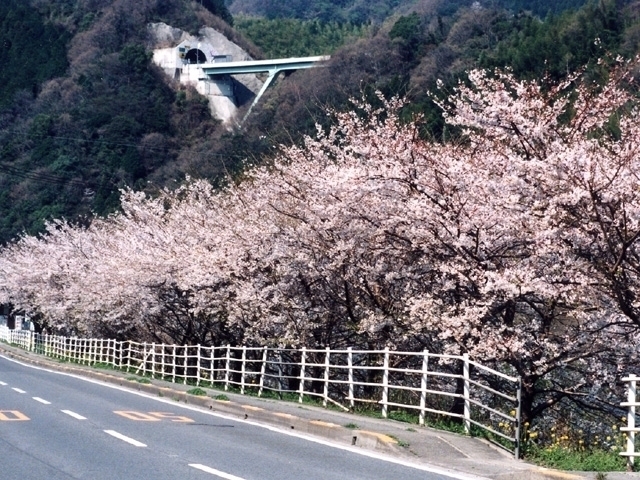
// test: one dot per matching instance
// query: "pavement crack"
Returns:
(453, 446)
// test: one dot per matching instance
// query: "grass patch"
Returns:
(197, 391)
(103, 366)
(565, 458)
(351, 426)
(403, 416)
(401, 443)
(222, 397)
(139, 379)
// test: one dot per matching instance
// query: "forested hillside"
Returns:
(362, 11)
(31, 50)
(408, 53)
(83, 112)
(290, 37)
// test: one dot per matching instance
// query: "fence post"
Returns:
(423, 387)
(243, 368)
(385, 384)
(467, 393)
(631, 420)
(144, 359)
(302, 364)
(212, 370)
(327, 363)
(518, 420)
(263, 370)
(152, 352)
(352, 402)
(198, 366)
(279, 359)
(227, 368)
(174, 362)
(185, 353)
(163, 368)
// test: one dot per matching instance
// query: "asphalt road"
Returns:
(58, 426)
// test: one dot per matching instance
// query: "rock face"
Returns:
(179, 54)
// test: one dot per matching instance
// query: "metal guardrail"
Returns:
(398, 383)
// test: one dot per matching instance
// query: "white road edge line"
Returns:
(124, 438)
(73, 414)
(41, 400)
(357, 450)
(18, 390)
(213, 471)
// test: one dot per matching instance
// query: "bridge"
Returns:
(272, 67)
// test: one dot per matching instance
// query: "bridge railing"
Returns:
(412, 386)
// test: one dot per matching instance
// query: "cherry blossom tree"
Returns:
(517, 243)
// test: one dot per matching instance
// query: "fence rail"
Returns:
(421, 385)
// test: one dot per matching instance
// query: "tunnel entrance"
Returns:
(195, 55)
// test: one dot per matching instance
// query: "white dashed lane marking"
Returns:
(124, 438)
(73, 414)
(213, 471)
(18, 390)
(41, 400)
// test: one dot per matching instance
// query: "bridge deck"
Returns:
(272, 67)
(260, 66)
